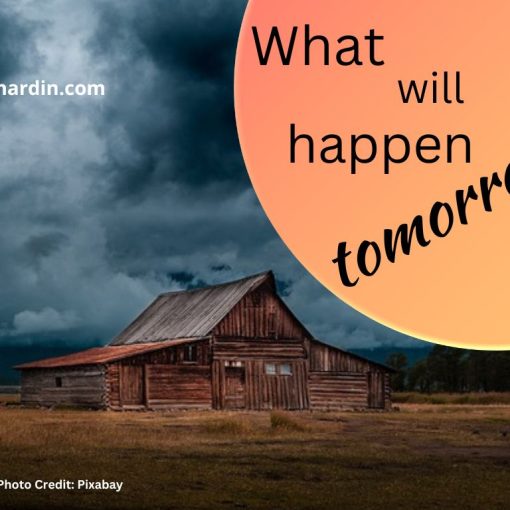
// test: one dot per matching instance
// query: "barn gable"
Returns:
(261, 314)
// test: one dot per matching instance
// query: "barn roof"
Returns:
(189, 313)
(100, 355)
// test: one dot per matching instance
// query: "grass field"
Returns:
(422, 457)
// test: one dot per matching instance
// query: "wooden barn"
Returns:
(230, 346)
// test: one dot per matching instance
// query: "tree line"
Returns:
(448, 369)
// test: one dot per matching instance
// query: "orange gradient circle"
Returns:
(453, 287)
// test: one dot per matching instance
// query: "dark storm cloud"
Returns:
(15, 43)
(171, 89)
(43, 245)
(106, 202)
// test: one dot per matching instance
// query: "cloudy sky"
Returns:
(107, 201)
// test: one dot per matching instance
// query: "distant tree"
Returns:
(446, 367)
(398, 361)
(498, 371)
(419, 378)
(453, 370)
(477, 371)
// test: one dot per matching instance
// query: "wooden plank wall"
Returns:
(338, 390)
(387, 391)
(242, 349)
(264, 391)
(329, 359)
(81, 387)
(174, 386)
(345, 369)
(260, 314)
(169, 357)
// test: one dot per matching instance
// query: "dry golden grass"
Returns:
(285, 422)
(423, 457)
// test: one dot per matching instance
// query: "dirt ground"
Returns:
(420, 457)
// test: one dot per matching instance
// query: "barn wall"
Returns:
(178, 386)
(387, 391)
(164, 377)
(81, 386)
(339, 380)
(260, 314)
(338, 390)
(328, 359)
(260, 390)
(243, 349)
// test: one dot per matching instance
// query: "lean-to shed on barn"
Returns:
(230, 346)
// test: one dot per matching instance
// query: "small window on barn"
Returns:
(58, 382)
(237, 364)
(270, 369)
(190, 353)
(285, 369)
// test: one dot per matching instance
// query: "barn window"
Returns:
(237, 364)
(278, 369)
(190, 353)
(270, 369)
(58, 382)
(285, 369)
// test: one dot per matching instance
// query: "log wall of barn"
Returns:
(174, 386)
(338, 390)
(242, 349)
(260, 314)
(74, 386)
(165, 379)
(340, 380)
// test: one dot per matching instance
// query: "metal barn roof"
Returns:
(100, 355)
(190, 313)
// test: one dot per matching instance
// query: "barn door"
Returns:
(375, 390)
(131, 385)
(234, 388)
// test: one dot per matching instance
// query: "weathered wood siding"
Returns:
(243, 349)
(338, 390)
(260, 390)
(328, 359)
(80, 386)
(341, 380)
(260, 314)
(178, 386)
(163, 379)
